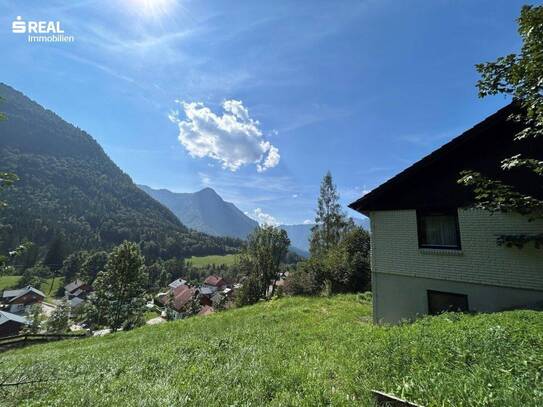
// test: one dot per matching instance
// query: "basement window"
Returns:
(439, 302)
(438, 229)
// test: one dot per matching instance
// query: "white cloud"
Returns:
(262, 217)
(308, 222)
(234, 139)
(295, 196)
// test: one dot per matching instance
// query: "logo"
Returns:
(41, 31)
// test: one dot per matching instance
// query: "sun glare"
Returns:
(151, 8)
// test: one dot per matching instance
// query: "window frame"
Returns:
(430, 292)
(442, 211)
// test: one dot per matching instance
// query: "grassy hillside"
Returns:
(202, 261)
(295, 351)
(7, 282)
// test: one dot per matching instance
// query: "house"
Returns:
(214, 283)
(433, 252)
(75, 302)
(77, 288)
(177, 283)
(182, 297)
(17, 300)
(11, 324)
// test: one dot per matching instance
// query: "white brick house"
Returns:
(431, 252)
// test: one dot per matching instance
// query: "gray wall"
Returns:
(398, 298)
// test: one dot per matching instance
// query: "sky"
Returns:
(257, 100)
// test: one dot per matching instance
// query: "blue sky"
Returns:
(268, 95)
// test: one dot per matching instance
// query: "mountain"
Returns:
(299, 234)
(205, 211)
(69, 187)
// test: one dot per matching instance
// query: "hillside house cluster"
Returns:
(432, 251)
(14, 304)
(77, 292)
(181, 294)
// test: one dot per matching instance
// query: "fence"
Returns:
(29, 339)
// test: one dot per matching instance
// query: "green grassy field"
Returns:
(294, 352)
(7, 282)
(227, 259)
(50, 287)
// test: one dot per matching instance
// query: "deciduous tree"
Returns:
(521, 76)
(120, 288)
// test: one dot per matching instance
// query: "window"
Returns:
(438, 229)
(439, 302)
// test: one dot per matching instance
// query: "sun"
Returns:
(152, 8)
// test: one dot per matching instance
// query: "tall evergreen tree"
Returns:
(330, 222)
(120, 288)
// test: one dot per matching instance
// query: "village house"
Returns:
(432, 252)
(77, 288)
(214, 283)
(177, 283)
(11, 324)
(16, 301)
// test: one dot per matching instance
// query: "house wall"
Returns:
(402, 272)
(10, 328)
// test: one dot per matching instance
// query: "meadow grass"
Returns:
(7, 282)
(294, 352)
(50, 287)
(227, 259)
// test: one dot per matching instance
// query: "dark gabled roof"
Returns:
(74, 285)
(12, 295)
(432, 181)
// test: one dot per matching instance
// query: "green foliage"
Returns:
(120, 288)
(92, 265)
(34, 276)
(73, 266)
(330, 221)
(295, 352)
(344, 267)
(55, 254)
(522, 77)
(59, 320)
(266, 248)
(35, 316)
(252, 289)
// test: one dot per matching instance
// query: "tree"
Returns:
(266, 248)
(120, 288)
(73, 265)
(59, 321)
(35, 316)
(520, 76)
(54, 258)
(251, 291)
(330, 221)
(92, 265)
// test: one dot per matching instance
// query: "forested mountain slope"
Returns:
(68, 186)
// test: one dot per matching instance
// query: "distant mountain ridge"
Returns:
(69, 187)
(205, 211)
